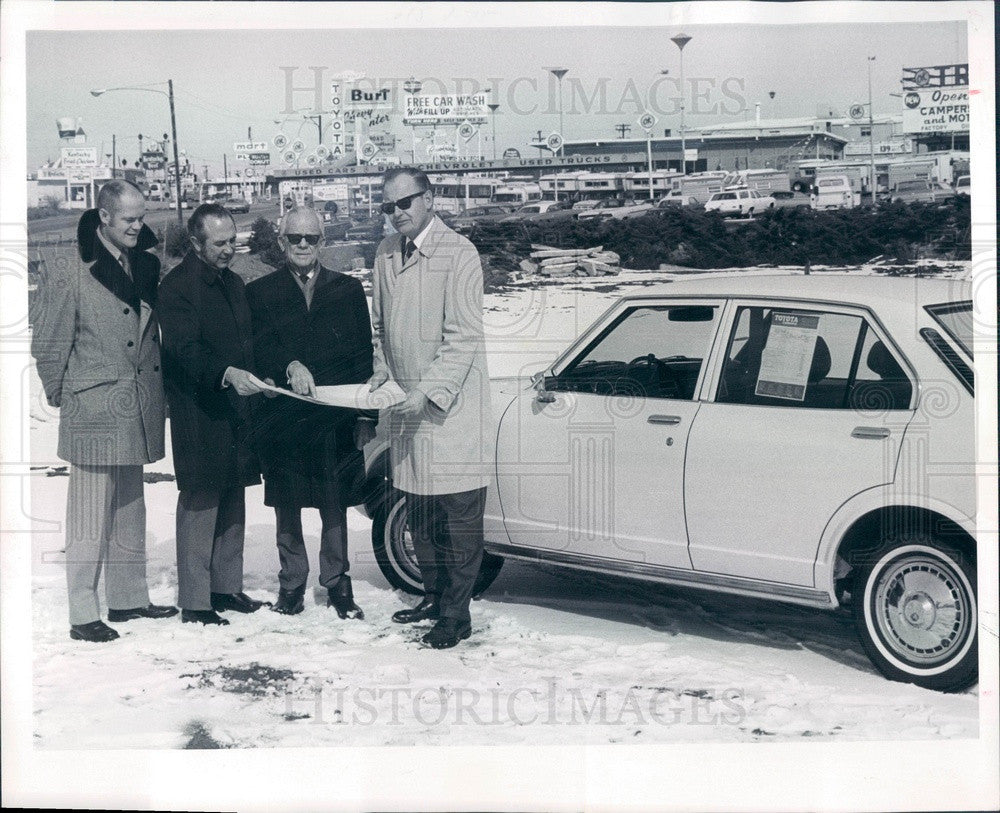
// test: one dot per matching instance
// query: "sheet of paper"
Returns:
(350, 396)
(784, 367)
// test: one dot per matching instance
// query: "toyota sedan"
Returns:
(802, 439)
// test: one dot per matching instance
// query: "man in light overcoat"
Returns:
(96, 343)
(427, 315)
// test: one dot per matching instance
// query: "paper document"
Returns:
(350, 396)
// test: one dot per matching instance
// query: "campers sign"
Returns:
(936, 110)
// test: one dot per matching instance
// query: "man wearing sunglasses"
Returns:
(427, 314)
(311, 328)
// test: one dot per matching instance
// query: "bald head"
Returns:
(300, 236)
(122, 208)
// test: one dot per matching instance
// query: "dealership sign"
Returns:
(891, 147)
(936, 110)
(446, 108)
(472, 165)
(77, 157)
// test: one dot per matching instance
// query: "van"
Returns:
(832, 192)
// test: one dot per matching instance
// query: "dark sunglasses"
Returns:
(403, 203)
(295, 239)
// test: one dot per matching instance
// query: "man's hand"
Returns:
(240, 381)
(268, 393)
(413, 407)
(377, 381)
(300, 379)
(364, 431)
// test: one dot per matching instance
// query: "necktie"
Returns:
(126, 267)
(408, 248)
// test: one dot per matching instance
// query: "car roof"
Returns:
(851, 289)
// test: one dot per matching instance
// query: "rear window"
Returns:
(956, 319)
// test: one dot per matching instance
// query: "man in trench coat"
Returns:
(427, 315)
(311, 328)
(95, 340)
(207, 366)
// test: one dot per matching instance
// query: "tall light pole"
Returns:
(412, 87)
(871, 134)
(493, 117)
(680, 40)
(169, 93)
(559, 73)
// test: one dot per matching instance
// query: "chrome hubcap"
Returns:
(922, 609)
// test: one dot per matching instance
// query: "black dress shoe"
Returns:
(97, 632)
(202, 617)
(447, 632)
(149, 611)
(290, 602)
(428, 608)
(488, 572)
(341, 598)
(239, 602)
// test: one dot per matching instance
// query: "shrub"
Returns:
(175, 241)
(47, 207)
(264, 242)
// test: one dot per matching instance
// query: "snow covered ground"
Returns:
(556, 658)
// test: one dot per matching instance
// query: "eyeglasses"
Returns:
(295, 239)
(403, 203)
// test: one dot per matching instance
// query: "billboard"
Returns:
(447, 108)
(77, 157)
(936, 110)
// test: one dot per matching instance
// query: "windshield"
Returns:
(956, 319)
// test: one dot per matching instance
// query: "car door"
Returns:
(810, 406)
(592, 465)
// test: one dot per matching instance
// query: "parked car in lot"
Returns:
(803, 439)
(237, 205)
(832, 192)
(586, 203)
(676, 198)
(739, 202)
(367, 230)
(789, 200)
(963, 185)
(920, 191)
(478, 214)
(542, 210)
(614, 209)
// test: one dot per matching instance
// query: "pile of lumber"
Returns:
(571, 262)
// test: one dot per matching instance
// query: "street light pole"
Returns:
(871, 134)
(169, 93)
(680, 40)
(493, 117)
(559, 73)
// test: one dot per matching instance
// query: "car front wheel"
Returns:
(393, 544)
(915, 610)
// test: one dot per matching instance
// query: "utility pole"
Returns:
(114, 156)
(538, 137)
(249, 134)
(623, 130)
(225, 172)
(871, 134)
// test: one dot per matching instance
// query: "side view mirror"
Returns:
(538, 384)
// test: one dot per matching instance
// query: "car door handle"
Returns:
(667, 419)
(870, 432)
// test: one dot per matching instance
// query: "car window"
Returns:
(956, 319)
(813, 359)
(653, 351)
(724, 196)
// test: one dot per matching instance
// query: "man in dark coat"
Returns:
(94, 337)
(311, 328)
(207, 367)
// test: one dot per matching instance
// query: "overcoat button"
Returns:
(125, 311)
(131, 344)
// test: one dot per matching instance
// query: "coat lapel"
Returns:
(112, 276)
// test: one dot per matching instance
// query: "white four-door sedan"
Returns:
(803, 439)
(739, 202)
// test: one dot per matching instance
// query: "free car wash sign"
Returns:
(936, 110)
(446, 108)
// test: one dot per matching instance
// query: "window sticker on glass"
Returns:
(784, 367)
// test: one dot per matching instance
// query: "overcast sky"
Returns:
(227, 81)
